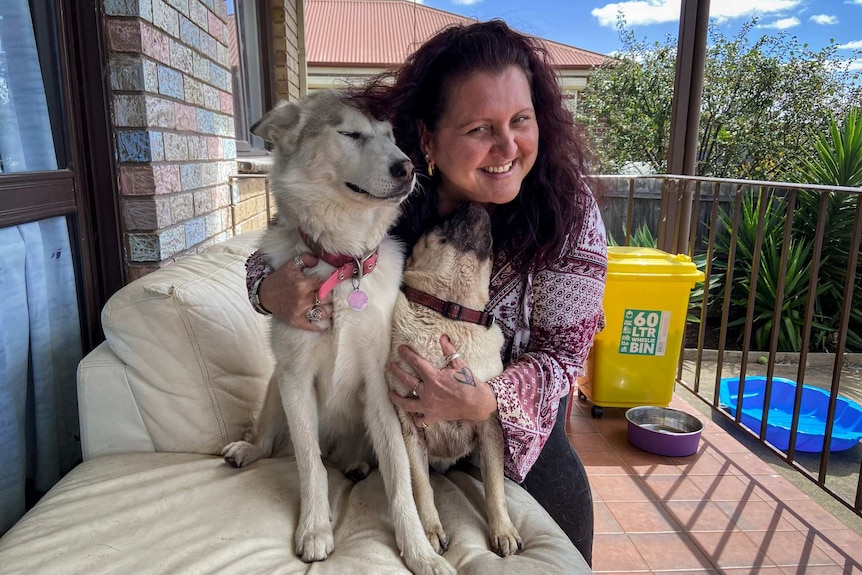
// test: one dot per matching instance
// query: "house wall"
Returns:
(172, 113)
(288, 49)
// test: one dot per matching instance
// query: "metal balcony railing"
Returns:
(781, 262)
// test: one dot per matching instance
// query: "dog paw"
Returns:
(241, 453)
(357, 471)
(314, 545)
(506, 542)
(438, 538)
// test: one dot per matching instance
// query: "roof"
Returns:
(382, 33)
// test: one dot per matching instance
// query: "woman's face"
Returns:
(487, 139)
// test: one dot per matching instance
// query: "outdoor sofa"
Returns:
(182, 371)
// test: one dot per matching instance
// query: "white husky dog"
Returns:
(338, 180)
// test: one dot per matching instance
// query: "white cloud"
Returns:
(642, 12)
(824, 19)
(782, 24)
(855, 45)
(854, 2)
(856, 64)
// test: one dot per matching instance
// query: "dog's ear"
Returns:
(277, 122)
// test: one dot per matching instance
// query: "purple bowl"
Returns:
(664, 430)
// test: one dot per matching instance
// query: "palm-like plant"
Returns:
(838, 163)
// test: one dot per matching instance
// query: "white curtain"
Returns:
(40, 337)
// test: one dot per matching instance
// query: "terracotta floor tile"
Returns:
(757, 515)
(726, 487)
(775, 487)
(807, 515)
(615, 553)
(821, 570)
(704, 463)
(621, 488)
(642, 517)
(789, 548)
(842, 545)
(664, 551)
(585, 442)
(672, 487)
(580, 425)
(718, 440)
(603, 463)
(731, 549)
(604, 521)
(642, 463)
(699, 516)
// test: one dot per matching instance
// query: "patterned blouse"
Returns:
(548, 318)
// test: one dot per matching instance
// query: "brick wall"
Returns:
(172, 112)
(288, 53)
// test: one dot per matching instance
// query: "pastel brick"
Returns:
(130, 111)
(159, 112)
(181, 57)
(190, 176)
(201, 67)
(196, 231)
(171, 82)
(194, 91)
(166, 178)
(197, 147)
(211, 98)
(214, 148)
(217, 221)
(126, 73)
(221, 196)
(208, 44)
(182, 207)
(137, 180)
(210, 174)
(248, 208)
(182, 6)
(190, 34)
(199, 14)
(172, 241)
(124, 35)
(176, 147)
(229, 146)
(226, 103)
(154, 44)
(206, 121)
(166, 18)
(137, 8)
(203, 201)
(186, 117)
(134, 146)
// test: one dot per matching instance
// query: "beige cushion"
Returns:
(197, 356)
(179, 513)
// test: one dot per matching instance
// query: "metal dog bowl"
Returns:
(664, 430)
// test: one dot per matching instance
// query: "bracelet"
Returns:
(254, 298)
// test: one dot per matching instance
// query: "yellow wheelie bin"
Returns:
(634, 359)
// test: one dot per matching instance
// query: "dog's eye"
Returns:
(351, 135)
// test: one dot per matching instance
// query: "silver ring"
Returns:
(424, 425)
(452, 357)
(299, 263)
(315, 313)
(413, 391)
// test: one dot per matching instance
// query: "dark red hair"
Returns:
(551, 203)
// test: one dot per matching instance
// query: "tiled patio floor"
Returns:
(722, 510)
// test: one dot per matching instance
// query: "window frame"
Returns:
(246, 143)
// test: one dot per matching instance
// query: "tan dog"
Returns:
(453, 262)
(338, 180)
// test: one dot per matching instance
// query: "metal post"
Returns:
(675, 210)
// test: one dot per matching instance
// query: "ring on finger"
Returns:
(315, 313)
(299, 263)
(424, 425)
(413, 393)
(452, 357)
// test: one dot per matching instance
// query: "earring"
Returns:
(430, 163)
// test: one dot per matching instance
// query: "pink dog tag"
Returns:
(357, 300)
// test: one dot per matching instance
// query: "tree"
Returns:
(761, 101)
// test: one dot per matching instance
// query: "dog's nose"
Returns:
(401, 169)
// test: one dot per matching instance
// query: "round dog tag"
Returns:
(357, 300)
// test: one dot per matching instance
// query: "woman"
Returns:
(480, 108)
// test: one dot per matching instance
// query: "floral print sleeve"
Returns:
(548, 318)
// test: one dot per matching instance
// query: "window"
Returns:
(250, 44)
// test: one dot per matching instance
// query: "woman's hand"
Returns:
(447, 394)
(290, 294)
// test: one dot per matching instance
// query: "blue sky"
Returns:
(589, 24)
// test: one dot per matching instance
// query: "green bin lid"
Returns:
(628, 262)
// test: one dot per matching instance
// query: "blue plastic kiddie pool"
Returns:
(846, 431)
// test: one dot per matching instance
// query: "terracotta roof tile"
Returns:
(381, 33)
